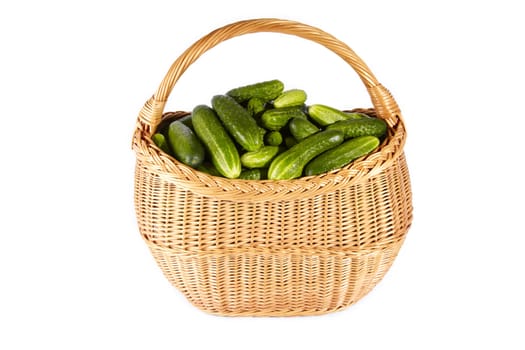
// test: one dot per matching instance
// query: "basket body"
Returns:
(298, 257)
(273, 248)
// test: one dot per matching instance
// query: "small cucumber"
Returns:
(290, 163)
(239, 123)
(186, 146)
(186, 120)
(361, 127)
(301, 128)
(220, 146)
(326, 115)
(165, 124)
(256, 106)
(254, 174)
(273, 138)
(161, 143)
(341, 155)
(275, 119)
(294, 97)
(266, 91)
(260, 158)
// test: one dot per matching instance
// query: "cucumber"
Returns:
(238, 122)
(186, 146)
(356, 115)
(266, 91)
(290, 163)
(361, 127)
(326, 115)
(165, 124)
(254, 174)
(255, 106)
(275, 119)
(260, 158)
(301, 128)
(220, 146)
(186, 120)
(341, 155)
(294, 97)
(273, 138)
(161, 143)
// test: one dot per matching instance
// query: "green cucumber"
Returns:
(239, 123)
(326, 115)
(186, 120)
(165, 124)
(186, 146)
(161, 143)
(254, 174)
(301, 128)
(255, 106)
(290, 163)
(276, 118)
(341, 155)
(294, 97)
(361, 127)
(356, 115)
(260, 158)
(266, 91)
(273, 138)
(221, 148)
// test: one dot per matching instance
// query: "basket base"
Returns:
(255, 284)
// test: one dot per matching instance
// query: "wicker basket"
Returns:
(306, 246)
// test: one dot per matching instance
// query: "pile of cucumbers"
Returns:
(260, 131)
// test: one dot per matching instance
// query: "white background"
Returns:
(74, 272)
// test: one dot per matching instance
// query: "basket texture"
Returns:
(306, 246)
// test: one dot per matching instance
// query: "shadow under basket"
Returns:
(307, 246)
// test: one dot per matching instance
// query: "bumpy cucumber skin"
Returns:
(301, 128)
(275, 119)
(273, 138)
(326, 115)
(239, 123)
(220, 146)
(290, 163)
(161, 142)
(266, 91)
(256, 106)
(185, 145)
(361, 127)
(289, 98)
(253, 174)
(341, 155)
(260, 158)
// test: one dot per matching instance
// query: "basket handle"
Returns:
(383, 102)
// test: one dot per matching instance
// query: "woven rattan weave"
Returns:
(306, 246)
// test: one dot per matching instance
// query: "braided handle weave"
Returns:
(382, 100)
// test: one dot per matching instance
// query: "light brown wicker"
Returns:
(306, 246)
